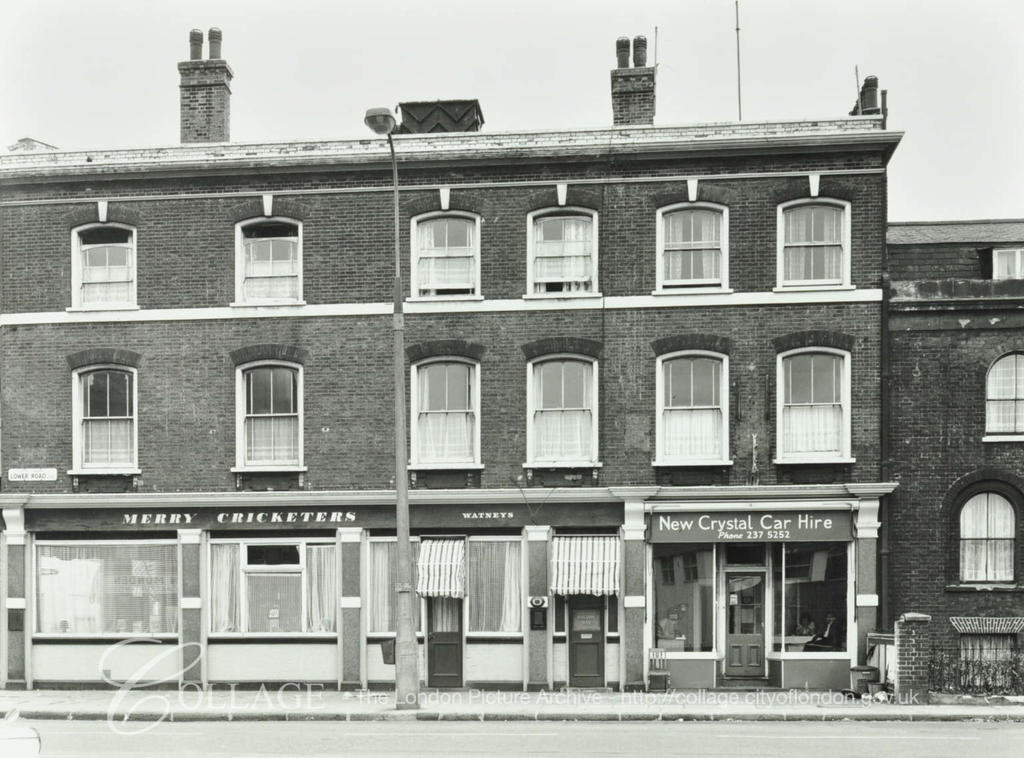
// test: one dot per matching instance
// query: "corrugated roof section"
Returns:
(441, 116)
(952, 232)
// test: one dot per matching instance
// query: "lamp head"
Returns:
(380, 120)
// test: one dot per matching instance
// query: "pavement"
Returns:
(315, 703)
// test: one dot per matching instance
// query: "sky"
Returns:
(89, 74)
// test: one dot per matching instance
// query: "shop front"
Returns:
(754, 594)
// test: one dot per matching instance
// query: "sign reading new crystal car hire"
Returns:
(752, 526)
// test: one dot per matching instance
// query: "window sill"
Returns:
(84, 639)
(102, 308)
(814, 287)
(272, 469)
(443, 298)
(985, 587)
(683, 655)
(269, 304)
(484, 636)
(445, 466)
(104, 472)
(824, 655)
(563, 464)
(1003, 438)
(562, 295)
(813, 461)
(271, 636)
(691, 464)
(698, 289)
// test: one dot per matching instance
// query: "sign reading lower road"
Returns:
(32, 475)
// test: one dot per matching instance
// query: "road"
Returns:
(454, 739)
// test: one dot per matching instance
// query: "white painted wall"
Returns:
(273, 662)
(611, 662)
(378, 671)
(493, 663)
(82, 663)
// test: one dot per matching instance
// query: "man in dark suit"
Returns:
(828, 638)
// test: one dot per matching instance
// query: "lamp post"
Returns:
(407, 677)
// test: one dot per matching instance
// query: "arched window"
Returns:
(562, 252)
(268, 262)
(987, 529)
(693, 240)
(103, 267)
(445, 428)
(814, 406)
(106, 431)
(693, 408)
(562, 421)
(1004, 396)
(814, 243)
(269, 416)
(445, 255)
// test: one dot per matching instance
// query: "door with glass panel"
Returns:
(444, 642)
(744, 634)
(586, 641)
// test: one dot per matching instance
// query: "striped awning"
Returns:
(585, 566)
(441, 568)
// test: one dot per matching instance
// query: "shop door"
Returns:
(444, 642)
(586, 641)
(744, 635)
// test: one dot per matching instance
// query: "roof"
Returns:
(771, 136)
(953, 232)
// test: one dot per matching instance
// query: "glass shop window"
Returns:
(684, 595)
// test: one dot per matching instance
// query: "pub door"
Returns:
(744, 635)
(444, 642)
(586, 641)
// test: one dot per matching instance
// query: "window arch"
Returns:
(104, 409)
(103, 266)
(445, 402)
(1004, 396)
(813, 405)
(692, 408)
(445, 255)
(693, 246)
(268, 261)
(269, 416)
(814, 243)
(562, 428)
(987, 529)
(561, 252)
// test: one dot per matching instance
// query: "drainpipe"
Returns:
(885, 467)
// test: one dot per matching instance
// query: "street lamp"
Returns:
(407, 676)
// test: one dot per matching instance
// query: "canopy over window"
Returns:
(442, 568)
(585, 566)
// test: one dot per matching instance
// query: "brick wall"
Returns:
(913, 651)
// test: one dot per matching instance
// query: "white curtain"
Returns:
(563, 254)
(70, 593)
(812, 428)
(813, 243)
(1005, 395)
(563, 419)
(321, 588)
(494, 586)
(271, 269)
(563, 435)
(224, 588)
(1008, 264)
(987, 528)
(107, 441)
(272, 439)
(444, 614)
(383, 600)
(693, 246)
(106, 274)
(693, 433)
(445, 419)
(446, 256)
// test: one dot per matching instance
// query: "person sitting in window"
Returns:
(829, 637)
(806, 625)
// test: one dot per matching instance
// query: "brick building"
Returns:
(956, 441)
(644, 399)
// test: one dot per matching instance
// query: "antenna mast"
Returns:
(739, 94)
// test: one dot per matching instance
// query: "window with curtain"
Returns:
(684, 594)
(692, 418)
(1008, 264)
(106, 410)
(106, 267)
(446, 256)
(494, 586)
(445, 419)
(988, 527)
(272, 416)
(563, 411)
(812, 405)
(563, 254)
(92, 589)
(1004, 396)
(812, 249)
(692, 253)
(273, 589)
(271, 263)
(382, 611)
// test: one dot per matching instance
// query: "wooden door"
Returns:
(444, 642)
(744, 635)
(586, 641)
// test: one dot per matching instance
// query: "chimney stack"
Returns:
(205, 92)
(632, 88)
(868, 103)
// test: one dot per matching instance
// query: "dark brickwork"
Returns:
(913, 652)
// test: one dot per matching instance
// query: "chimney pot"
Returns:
(622, 51)
(639, 51)
(195, 44)
(215, 37)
